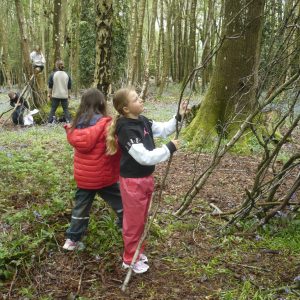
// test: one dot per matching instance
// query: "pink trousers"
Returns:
(136, 195)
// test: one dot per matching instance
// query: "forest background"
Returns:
(227, 225)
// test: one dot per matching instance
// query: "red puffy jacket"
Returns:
(93, 169)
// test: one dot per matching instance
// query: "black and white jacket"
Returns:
(135, 137)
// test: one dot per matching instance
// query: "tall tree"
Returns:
(74, 58)
(4, 63)
(104, 17)
(150, 48)
(57, 29)
(136, 68)
(234, 80)
(24, 39)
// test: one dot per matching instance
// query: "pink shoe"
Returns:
(138, 268)
(143, 258)
(70, 245)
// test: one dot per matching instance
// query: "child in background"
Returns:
(20, 104)
(139, 156)
(37, 59)
(94, 170)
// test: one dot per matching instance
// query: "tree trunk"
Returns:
(167, 50)
(5, 67)
(132, 36)
(160, 45)
(56, 30)
(138, 45)
(192, 39)
(74, 59)
(207, 43)
(104, 16)
(234, 80)
(150, 49)
(24, 41)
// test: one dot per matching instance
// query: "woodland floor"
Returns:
(188, 260)
(179, 265)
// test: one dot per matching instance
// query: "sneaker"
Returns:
(70, 245)
(143, 258)
(138, 268)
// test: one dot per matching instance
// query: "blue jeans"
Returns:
(54, 105)
(83, 203)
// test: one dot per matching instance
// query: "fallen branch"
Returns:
(12, 284)
(80, 282)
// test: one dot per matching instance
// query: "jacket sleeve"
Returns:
(131, 140)
(164, 129)
(153, 157)
(83, 140)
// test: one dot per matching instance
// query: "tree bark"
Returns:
(56, 29)
(4, 55)
(135, 71)
(150, 49)
(74, 59)
(24, 40)
(104, 16)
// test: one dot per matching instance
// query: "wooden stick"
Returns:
(12, 284)
(80, 281)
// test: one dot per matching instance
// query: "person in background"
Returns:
(37, 59)
(94, 170)
(135, 135)
(20, 105)
(59, 85)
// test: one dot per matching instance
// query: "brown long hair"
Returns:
(120, 100)
(92, 102)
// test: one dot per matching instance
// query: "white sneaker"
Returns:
(138, 268)
(143, 258)
(70, 245)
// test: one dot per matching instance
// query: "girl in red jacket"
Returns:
(94, 170)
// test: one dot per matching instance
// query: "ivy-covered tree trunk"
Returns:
(234, 80)
(56, 29)
(104, 16)
(24, 39)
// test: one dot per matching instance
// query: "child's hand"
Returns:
(183, 110)
(176, 143)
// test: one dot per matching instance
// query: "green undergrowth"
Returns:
(37, 189)
(231, 256)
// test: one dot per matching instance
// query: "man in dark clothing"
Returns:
(20, 106)
(59, 91)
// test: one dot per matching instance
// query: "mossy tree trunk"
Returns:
(104, 17)
(234, 80)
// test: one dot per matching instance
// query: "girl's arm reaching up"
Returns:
(153, 157)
